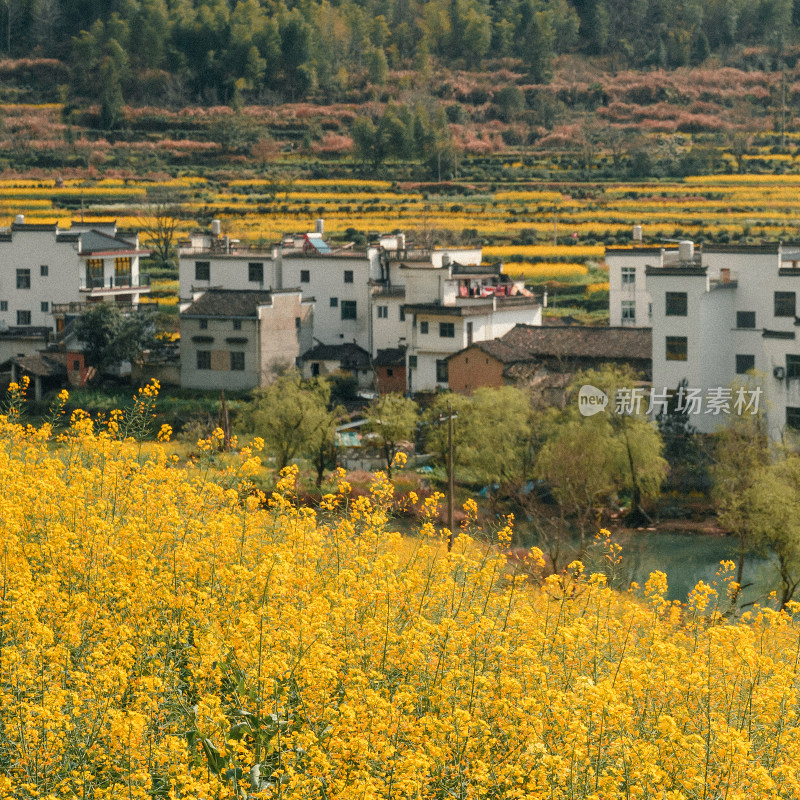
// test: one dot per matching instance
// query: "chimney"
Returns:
(637, 233)
(319, 226)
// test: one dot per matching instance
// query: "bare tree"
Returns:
(158, 223)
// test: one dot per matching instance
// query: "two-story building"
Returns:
(724, 316)
(242, 339)
(47, 270)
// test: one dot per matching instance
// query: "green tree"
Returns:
(773, 511)
(741, 451)
(588, 460)
(291, 415)
(392, 419)
(109, 336)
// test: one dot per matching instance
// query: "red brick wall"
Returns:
(471, 369)
(396, 382)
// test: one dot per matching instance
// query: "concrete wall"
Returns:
(30, 250)
(635, 292)
(228, 271)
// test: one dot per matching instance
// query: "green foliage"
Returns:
(292, 417)
(109, 336)
(392, 419)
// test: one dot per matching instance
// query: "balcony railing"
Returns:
(113, 282)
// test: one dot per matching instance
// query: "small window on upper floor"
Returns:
(349, 309)
(334, 302)
(423, 326)
(203, 323)
(784, 304)
(676, 304)
(383, 312)
(237, 324)
(792, 366)
(348, 276)
(628, 311)
(402, 314)
(628, 275)
(255, 272)
(305, 276)
(23, 317)
(23, 279)
(745, 319)
(202, 271)
(447, 330)
(44, 270)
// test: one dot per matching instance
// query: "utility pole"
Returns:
(450, 478)
(555, 226)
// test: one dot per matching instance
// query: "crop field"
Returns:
(552, 235)
(167, 630)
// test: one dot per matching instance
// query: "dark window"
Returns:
(237, 360)
(793, 418)
(23, 317)
(45, 306)
(255, 272)
(3, 305)
(423, 326)
(784, 304)
(746, 363)
(314, 369)
(389, 372)
(348, 276)
(237, 324)
(412, 362)
(44, 270)
(402, 314)
(76, 365)
(677, 348)
(792, 366)
(203, 324)
(349, 309)
(629, 274)
(383, 312)
(23, 279)
(203, 359)
(297, 323)
(202, 271)
(441, 370)
(676, 304)
(447, 329)
(745, 319)
(305, 276)
(334, 302)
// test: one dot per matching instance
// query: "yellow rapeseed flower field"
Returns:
(167, 635)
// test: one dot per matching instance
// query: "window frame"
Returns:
(442, 368)
(203, 359)
(348, 276)
(793, 418)
(740, 364)
(785, 304)
(675, 353)
(447, 330)
(792, 366)
(44, 270)
(383, 312)
(202, 268)
(305, 276)
(676, 304)
(23, 278)
(255, 268)
(628, 276)
(743, 317)
(628, 310)
(349, 309)
(23, 318)
(423, 326)
(237, 360)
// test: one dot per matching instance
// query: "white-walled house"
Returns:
(729, 315)
(432, 302)
(46, 269)
(241, 339)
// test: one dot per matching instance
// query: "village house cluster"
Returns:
(407, 319)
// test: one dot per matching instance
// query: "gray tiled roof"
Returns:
(228, 303)
(580, 341)
(349, 354)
